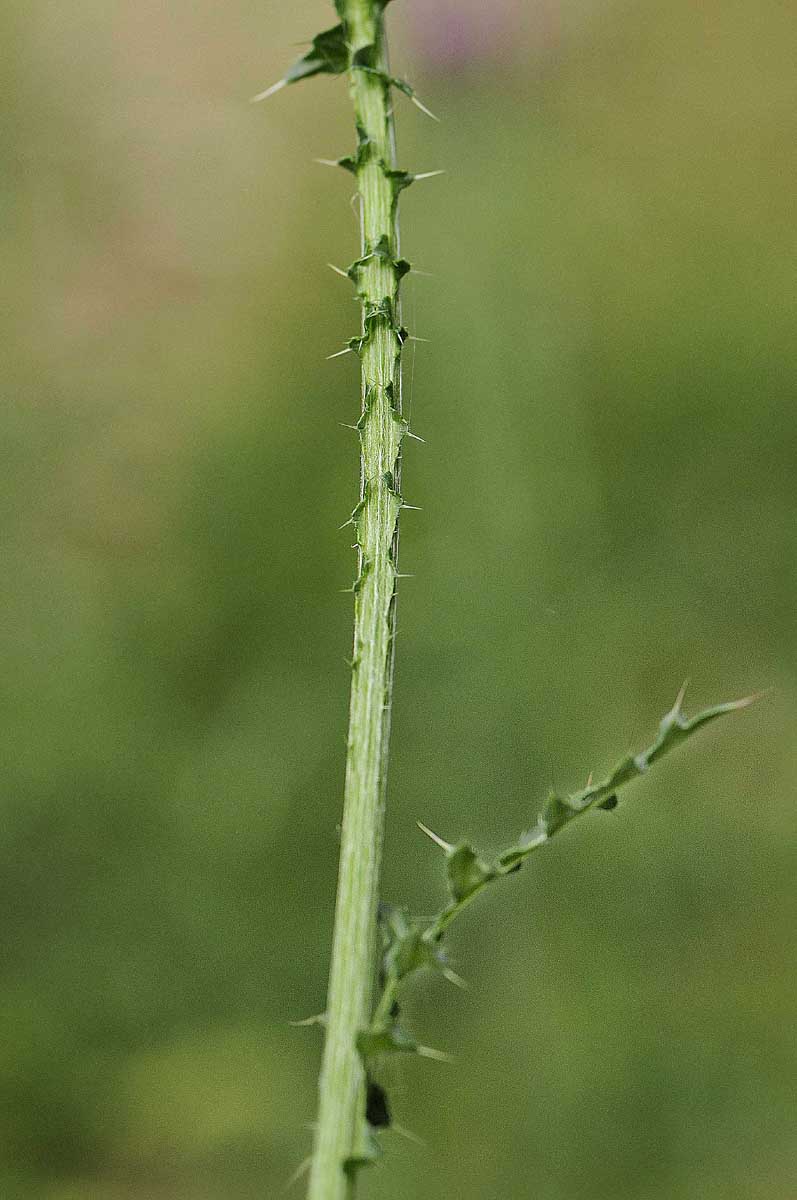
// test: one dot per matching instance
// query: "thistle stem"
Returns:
(342, 1133)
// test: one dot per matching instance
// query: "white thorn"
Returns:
(452, 977)
(302, 1169)
(413, 507)
(337, 354)
(275, 87)
(327, 162)
(317, 1019)
(415, 437)
(680, 698)
(438, 1055)
(747, 700)
(423, 108)
(427, 174)
(413, 338)
(337, 270)
(430, 833)
(407, 1133)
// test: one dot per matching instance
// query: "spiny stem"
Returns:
(363, 1008)
(342, 1134)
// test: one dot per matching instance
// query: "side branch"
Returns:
(410, 944)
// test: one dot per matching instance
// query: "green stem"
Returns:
(342, 1133)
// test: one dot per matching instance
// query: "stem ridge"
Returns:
(357, 46)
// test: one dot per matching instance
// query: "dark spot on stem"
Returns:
(377, 1112)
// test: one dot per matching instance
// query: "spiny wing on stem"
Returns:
(330, 54)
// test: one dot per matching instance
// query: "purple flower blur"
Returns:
(453, 33)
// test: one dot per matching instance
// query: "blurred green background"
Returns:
(608, 493)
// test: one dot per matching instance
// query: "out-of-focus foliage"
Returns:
(608, 494)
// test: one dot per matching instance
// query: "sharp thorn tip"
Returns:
(746, 701)
(435, 837)
(437, 1055)
(423, 108)
(457, 980)
(275, 87)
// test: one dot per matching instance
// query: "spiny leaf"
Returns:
(386, 1039)
(328, 55)
(356, 512)
(380, 1040)
(466, 872)
(364, 61)
(556, 814)
(363, 154)
(367, 57)
(410, 92)
(399, 180)
(381, 250)
(404, 949)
